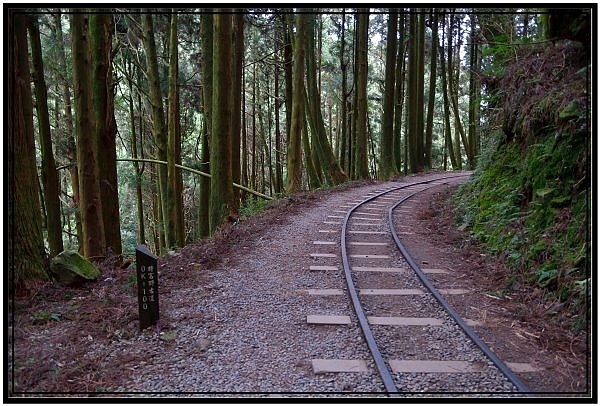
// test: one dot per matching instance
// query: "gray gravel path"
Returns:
(253, 339)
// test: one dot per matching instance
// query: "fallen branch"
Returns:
(185, 168)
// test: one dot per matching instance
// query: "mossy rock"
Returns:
(71, 269)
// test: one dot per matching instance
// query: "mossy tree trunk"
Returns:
(387, 167)
(311, 162)
(174, 186)
(105, 127)
(49, 175)
(206, 41)
(294, 149)
(25, 244)
(360, 107)
(221, 186)
(89, 185)
(158, 125)
(327, 160)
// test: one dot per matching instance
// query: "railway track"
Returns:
(418, 343)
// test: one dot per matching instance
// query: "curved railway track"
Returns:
(397, 316)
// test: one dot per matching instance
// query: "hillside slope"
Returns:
(530, 198)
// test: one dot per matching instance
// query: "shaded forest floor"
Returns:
(74, 340)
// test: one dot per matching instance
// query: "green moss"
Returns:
(526, 203)
(70, 268)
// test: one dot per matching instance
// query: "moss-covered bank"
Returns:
(530, 197)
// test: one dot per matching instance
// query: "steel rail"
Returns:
(384, 372)
(457, 318)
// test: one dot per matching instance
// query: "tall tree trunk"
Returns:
(278, 102)
(237, 107)
(344, 114)
(432, 84)
(412, 99)
(474, 94)
(244, 141)
(221, 186)
(106, 128)
(313, 175)
(329, 164)
(206, 40)
(48, 173)
(294, 149)
(362, 37)
(420, 136)
(445, 90)
(310, 146)
(288, 69)
(89, 186)
(253, 175)
(386, 146)
(400, 77)
(158, 124)
(134, 151)
(453, 96)
(71, 149)
(25, 245)
(174, 187)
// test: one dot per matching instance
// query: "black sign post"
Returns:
(147, 282)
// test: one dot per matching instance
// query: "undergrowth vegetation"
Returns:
(529, 200)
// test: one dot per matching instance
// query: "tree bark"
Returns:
(400, 76)
(329, 164)
(206, 40)
(278, 138)
(474, 95)
(453, 96)
(360, 108)
(106, 128)
(345, 153)
(25, 244)
(294, 150)
(387, 168)
(420, 124)
(71, 149)
(49, 175)
(174, 187)
(221, 197)
(412, 99)
(158, 124)
(89, 186)
(238, 62)
(432, 84)
(445, 90)
(134, 151)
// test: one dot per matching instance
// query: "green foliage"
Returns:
(526, 204)
(529, 199)
(130, 284)
(44, 316)
(253, 206)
